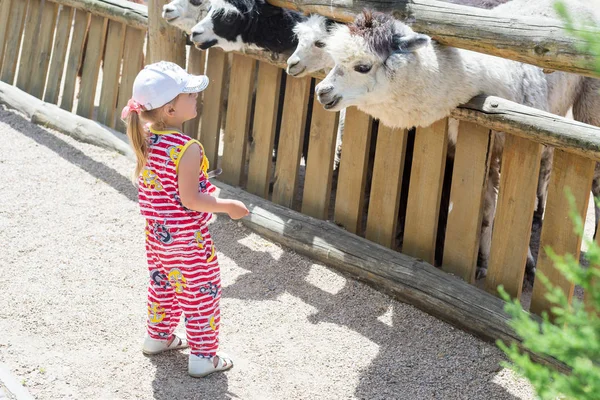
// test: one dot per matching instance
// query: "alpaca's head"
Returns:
(184, 14)
(223, 25)
(374, 56)
(310, 55)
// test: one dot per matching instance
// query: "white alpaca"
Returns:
(405, 80)
(184, 14)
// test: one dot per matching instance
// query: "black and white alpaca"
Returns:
(238, 25)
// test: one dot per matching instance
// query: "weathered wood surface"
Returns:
(260, 155)
(111, 71)
(425, 193)
(5, 15)
(543, 127)
(576, 173)
(74, 59)
(196, 66)
(291, 140)
(39, 72)
(165, 42)
(514, 213)
(91, 66)
(51, 116)
(350, 195)
(463, 230)
(126, 12)
(537, 41)
(210, 130)
(388, 168)
(405, 278)
(133, 61)
(235, 138)
(59, 54)
(319, 166)
(27, 58)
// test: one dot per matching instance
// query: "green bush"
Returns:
(572, 336)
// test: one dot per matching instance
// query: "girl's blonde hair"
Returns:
(138, 137)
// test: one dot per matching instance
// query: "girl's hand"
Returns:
(237, 210)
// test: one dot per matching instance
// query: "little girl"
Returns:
(174, 197)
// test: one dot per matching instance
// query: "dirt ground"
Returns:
(74, 295)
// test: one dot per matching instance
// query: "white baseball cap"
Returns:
(160, 82)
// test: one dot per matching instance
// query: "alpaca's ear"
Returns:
(410, 43)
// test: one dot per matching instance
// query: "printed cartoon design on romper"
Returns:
(154, 139)
(147, 231)
(203, 185)
(151, 180)
(163, 335)
(156, 313)
(161, 233)
(210, 288)
(198, 240)
(212, 254)
(211, 322)
(159, 279)
(173, 152)
(177, 280)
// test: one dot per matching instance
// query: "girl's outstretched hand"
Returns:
(237, 210)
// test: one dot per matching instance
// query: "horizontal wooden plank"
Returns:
(532, 40)
(539, 126)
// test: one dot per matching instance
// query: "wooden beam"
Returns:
(529, 123)
(126, 12)
(533, 40)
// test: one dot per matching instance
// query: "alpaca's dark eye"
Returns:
(196, 3)
(362, 68)
(319, 44)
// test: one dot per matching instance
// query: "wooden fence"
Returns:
(107, 39)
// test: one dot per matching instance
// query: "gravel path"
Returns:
(74, 292)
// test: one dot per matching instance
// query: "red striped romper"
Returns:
(184, 272)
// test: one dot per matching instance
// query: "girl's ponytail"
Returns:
(139, 142)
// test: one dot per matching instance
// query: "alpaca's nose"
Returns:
(322, 90)
(293, 61)
(196, 33)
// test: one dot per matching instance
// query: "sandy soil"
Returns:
(74, 292)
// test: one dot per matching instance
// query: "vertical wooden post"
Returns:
(293, 122)
(575, 172)
(39, 71)
(424, 195)
(319, 167)
(80, 24)
(110, 73)
(235, 139)
(210, 129)
(30, 43)
(59, 54)
(512, 224)
(132, 64)
(263, 130)
(165, 41)
(196, 63)
(14, 31)
(5, 15)
(385, 186)
(463, 230)
(350, 196)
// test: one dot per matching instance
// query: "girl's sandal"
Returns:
(155, 346)
(199, 367)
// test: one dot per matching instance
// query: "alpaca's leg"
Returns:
(543, 181)
(489, 211)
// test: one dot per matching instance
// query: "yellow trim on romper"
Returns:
(203, 163)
